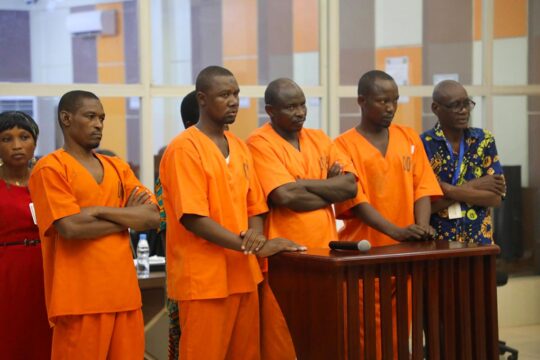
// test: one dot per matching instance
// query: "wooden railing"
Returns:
(454, 301)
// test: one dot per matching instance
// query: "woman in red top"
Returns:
(24, 329)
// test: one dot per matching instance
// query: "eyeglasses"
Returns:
(456, 106)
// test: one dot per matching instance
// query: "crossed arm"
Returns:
(485, 191)
(308, 195)
(96, 221)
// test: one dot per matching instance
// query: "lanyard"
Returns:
(460, 158)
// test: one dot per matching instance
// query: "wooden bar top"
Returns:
(405, 251)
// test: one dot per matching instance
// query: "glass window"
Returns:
(243, 36)
(66, 42)
(122, 122)
(410, 40)
(512, 48)
(517, 230)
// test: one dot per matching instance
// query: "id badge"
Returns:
(454, 211)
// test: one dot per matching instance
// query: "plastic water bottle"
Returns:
(143, 254)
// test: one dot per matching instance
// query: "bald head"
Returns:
(446, 89)
(277, 89)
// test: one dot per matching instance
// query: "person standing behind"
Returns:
(85, 203)
(215, 209)
(467, 165)
(189, 113)
(24, 330)
(302, 172)
(393, 170)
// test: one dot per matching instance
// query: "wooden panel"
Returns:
(510, 19)
(306, 25)
(385, 289)
(490, 306)
(432, 306)
(246, 120)
(479, 318)
(239, 28)
(369, 313)
(464, 309)
(477, 19)
(417, 310)
(111, 70)
(114, 132)
(312, 303)
(448, 309)
(353, 313)
(409, 113)
(402, 310)
(311, 290)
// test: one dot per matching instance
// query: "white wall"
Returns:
(51, 61)
(50, 47)
(398, 23)
(171, 51)
(510, 61)
(510, 127)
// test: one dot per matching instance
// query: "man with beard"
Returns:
(467, 165)
(215, 214)
(395, 183)
(84, 203)
(302, 174)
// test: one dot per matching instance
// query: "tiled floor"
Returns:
(526, 339)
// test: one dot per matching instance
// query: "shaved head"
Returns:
(273, 90)
(206, 77)
(444, 88)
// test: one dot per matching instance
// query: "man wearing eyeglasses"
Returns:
(467, 165)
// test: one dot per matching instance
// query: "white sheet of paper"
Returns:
(454, 211)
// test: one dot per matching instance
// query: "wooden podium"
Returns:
(454, 300)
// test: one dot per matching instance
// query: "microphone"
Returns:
(362, 245)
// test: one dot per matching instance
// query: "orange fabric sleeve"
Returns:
(52, 197)
(343, 209)
(256, 201)
(335, 154)
(271, 171)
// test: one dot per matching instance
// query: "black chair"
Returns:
(502, 279)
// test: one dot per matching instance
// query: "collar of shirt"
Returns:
(437, 133)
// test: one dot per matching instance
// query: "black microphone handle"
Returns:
(343, 245)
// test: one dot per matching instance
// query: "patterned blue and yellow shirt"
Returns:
(480, 159)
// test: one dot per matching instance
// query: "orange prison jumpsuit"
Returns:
(91, 289)
(216, 287)
(277, 163)
(401, 177)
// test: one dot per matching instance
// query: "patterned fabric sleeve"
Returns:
(491, 162)
(162, 215)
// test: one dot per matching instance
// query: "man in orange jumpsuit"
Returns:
(392, 168)
(302, 172)
(215, 209)
(84, 204)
